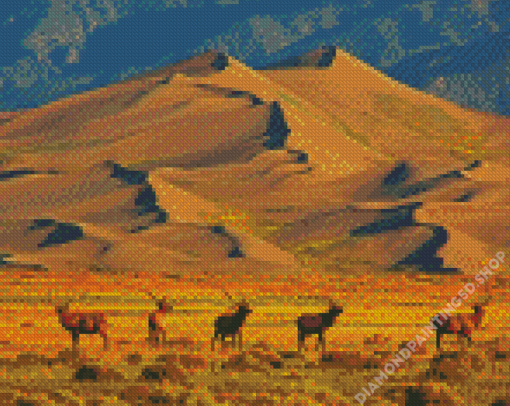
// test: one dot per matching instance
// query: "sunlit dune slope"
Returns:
(289, 219)
(489, 184)
(348, 115)
(327, 145)
(60, 122)
(430, 133)
(178, 126)
(93, 194)
(489, 224)
(464, 250)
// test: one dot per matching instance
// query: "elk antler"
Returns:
(243, 303)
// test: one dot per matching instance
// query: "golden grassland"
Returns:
(382, 312)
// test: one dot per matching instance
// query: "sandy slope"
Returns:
(297, 153)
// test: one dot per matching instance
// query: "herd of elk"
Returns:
(226, 325)
(231, 324)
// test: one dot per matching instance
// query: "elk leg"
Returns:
(438, 340)
(240, 340)
(318, 341)
(301, 341)
(233, 341)
(76, 340)
(102, 332)
(324, 344)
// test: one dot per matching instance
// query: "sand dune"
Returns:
(400, 122)
(35, 128)
(74, 197)
(181, 126)
(320, 159)
(491, 225)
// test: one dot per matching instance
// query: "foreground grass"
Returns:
(38, 367)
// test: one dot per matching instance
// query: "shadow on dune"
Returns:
(393, 219)
(426, 257)
(62, 233)
(5, 175)
(236, 251)
(147, 199)
(232, 93)
(395, 184)
(277, 130)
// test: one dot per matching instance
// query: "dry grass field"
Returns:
(382, 312)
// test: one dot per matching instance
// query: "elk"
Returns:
(231, 325)
(311, 324)
(157, 322)
(459, 324)
(82, 323)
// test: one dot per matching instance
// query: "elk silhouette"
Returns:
(458, 324)
(82, 323)
(319, 323)
(231, 325)
(157, 321)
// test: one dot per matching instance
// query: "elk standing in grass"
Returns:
(157, 322)
(82, 323)
(459, 324)
(231, 325)
(311, 324)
